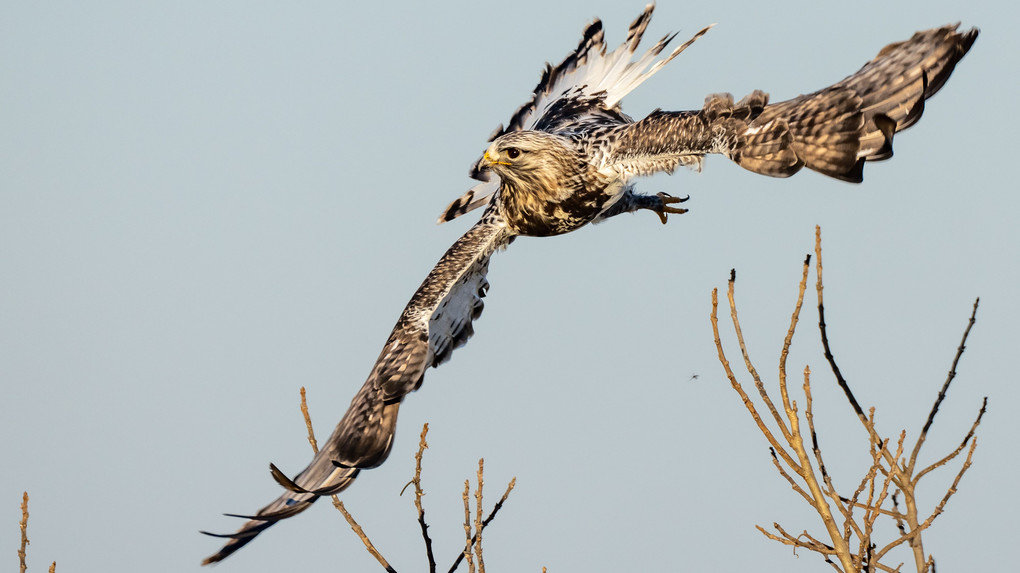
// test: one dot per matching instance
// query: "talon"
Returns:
(668, 199)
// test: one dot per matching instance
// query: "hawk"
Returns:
(568, 157)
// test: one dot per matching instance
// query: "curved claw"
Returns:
(663, 210)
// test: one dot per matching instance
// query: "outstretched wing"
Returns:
(435, 322)
(832, 131)
(585, 87)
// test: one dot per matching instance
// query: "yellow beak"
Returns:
(494, 160)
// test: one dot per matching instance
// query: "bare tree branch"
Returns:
(418, 492)
(23, 553)
(945, 387)
(747, 360)
(478, 515)
(959, 448)
(308, 422)
(485, 523)
(467, 553)
(888, 475)
(736, 385)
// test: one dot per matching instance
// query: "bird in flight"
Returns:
(568, 157)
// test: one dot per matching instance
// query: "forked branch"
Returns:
(849, 521)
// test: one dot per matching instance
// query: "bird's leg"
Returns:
(630, 202)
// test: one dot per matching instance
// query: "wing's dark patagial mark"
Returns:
(567, 158)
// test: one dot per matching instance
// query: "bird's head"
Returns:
(520, 154)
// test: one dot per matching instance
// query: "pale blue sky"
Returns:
(206, 205)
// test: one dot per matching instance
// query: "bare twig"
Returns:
(963, 444)
(478, 515)
(793, 483)
(825, 336)
(22, 553)
(418, 492)
(467, 528)
(485, 523)
(944, 389)
(794, 318)
(736, 385)
(308, 422)
(809, 416)
(747, 359)
(361, 535)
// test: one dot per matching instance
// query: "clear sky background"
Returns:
(206, 205)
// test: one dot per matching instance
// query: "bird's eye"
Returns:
(513, 153)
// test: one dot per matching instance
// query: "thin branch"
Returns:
(809, 415)
(874, 507)
(22, 553)
(825, 337)
(714, 317)
(945, 387)
(789, 478)
(806, 473)
(418, 492)
(308, 422)
(467, 527)
(478, 515)
(959, 448)
(830, 489)
(794, 319)
(952, 489)
(840, 380)
(485, 523)
(730, 294)
(361, 535)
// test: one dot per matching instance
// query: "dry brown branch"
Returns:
(944, 389)
(478, 515)
(361, 535)
(22, 553)
(825, 338)
(809, 415)
(793, 483)
(23, 524)
(954, 453)
(308, 422)
(418, 492)
(794, 318)
(485, 523)
(468, 555)
(733, 379)
(887, 476)
(747, 360)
